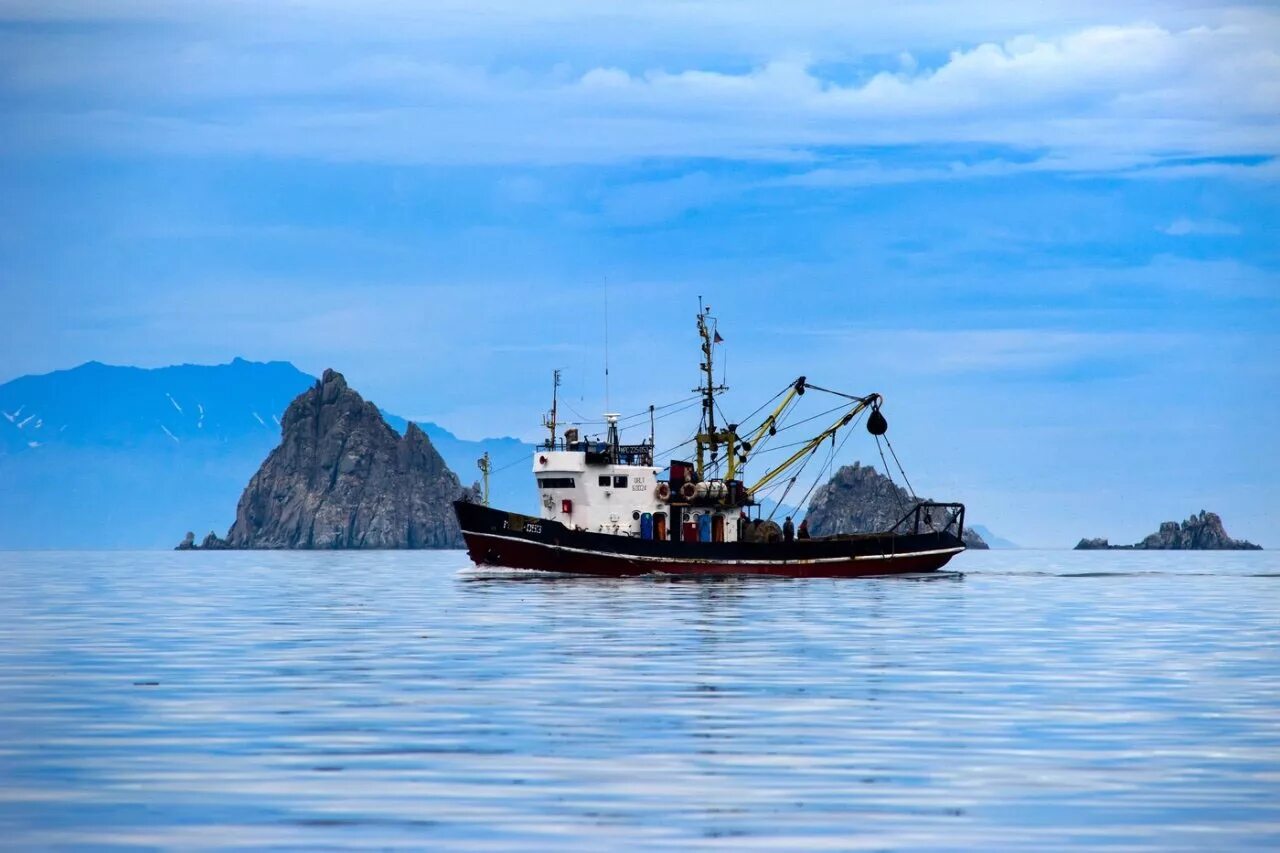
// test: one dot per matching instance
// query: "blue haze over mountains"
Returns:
(102, 456)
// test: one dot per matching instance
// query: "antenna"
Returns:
(606, 344)
(549, 421)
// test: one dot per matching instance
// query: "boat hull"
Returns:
(511, 540)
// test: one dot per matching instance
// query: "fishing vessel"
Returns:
(607, 508)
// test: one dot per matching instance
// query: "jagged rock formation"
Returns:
(343, 478)
(212, 542)
(859, 499)
(1203, 532)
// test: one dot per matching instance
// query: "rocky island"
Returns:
(343, 478)
(859, 499)
(1203, 532)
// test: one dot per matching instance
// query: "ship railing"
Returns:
(932, 517)
(601, 452)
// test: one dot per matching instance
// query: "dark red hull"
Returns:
(497, 538)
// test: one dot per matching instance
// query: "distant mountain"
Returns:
(102, 406)
(993, 540)
(101, 456)
(119, 457)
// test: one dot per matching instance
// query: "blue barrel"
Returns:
(646, 525)
(704, 528)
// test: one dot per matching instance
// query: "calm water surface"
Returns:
(1039, 700)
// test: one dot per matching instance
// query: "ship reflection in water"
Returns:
(1040, 700)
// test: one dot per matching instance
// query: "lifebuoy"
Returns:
(664, 491)
(688, 490)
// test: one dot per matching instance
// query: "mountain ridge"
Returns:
(137, 453)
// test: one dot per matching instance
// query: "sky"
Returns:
(1048, 233)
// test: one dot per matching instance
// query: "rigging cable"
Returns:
(897, 492)
(688, 405)
(678, 446)
(793, 479)
(658, 408)
(813, 417)
(767, 402)
(837, 393)
(509, 464)
(583, 421)
(756, 451)
(781, 416)
(835, 451)
(914, 497)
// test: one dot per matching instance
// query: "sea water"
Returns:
(1027, 700)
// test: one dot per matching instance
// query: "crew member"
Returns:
(803, 532)
(788, 530)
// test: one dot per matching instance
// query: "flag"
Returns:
(718, 339)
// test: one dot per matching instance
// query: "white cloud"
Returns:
(448, 85)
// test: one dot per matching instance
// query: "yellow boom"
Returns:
(812, 444)
(794, 391)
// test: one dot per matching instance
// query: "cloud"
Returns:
(1131, 95)
(1183, 227)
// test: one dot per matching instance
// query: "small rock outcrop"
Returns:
(343, 478)
(212, 542)
(859, 499)
(1203, 532)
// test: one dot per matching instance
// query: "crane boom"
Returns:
(812, 444)
(796, 389)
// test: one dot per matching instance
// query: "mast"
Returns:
(483, 464)
(549, 421)
(710, 438)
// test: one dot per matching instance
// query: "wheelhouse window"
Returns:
(604, 479)
(555, 482)
(620, 482)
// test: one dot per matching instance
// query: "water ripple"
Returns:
(1028, 700)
